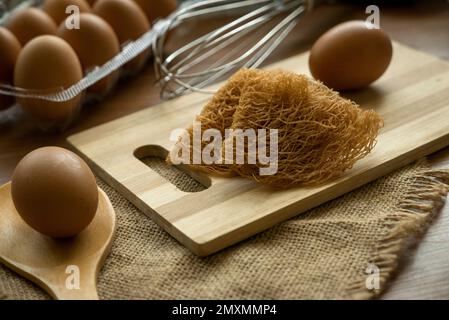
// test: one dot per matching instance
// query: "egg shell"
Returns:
(57, 8)
(48, 64)
(29, 23)
(129, 23)
(350, 56)
(55, 192)
(9, 51)
(95, 43)
(155, 9)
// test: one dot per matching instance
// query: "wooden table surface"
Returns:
(422, 25)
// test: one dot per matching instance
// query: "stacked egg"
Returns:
(45, 50)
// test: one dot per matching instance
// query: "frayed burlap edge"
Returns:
(414, 212)
(422, 202)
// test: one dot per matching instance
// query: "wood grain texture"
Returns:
(422, 25)
(44, 260)
(424, 269)
(412, 98)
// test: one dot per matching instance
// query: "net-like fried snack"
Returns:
(320, 134)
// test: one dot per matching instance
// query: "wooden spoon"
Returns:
(57, 265)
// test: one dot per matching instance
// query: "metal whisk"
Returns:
(203, 61)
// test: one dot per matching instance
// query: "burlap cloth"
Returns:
(322, 254)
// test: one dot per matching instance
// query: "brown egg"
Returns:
(9, 51)
(129, 23)
(48, 64)
(57, 8)
(30, 23)
(155, 9)
(55, 192)
(95, 43)
(350, 56)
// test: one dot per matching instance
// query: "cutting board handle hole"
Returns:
(180, 176)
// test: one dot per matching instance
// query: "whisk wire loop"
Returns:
(203, 61)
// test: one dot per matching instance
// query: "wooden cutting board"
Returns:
(412, 98)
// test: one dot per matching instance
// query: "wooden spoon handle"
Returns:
(86, 291)
(80, 294)
(74, 284)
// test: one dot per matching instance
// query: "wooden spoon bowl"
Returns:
(65, 268)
